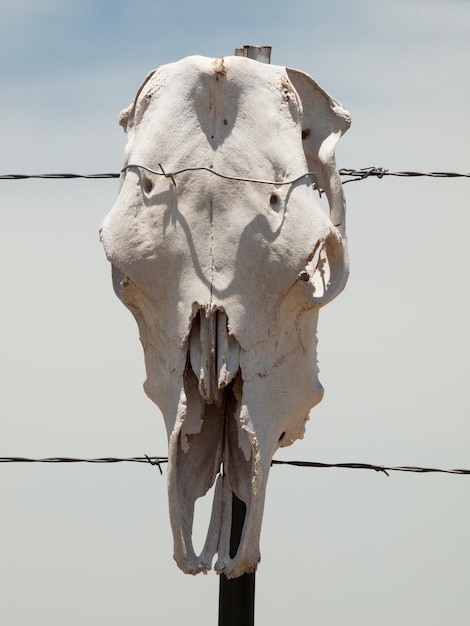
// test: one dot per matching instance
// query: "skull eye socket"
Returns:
(147, 184)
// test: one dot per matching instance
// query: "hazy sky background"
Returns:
(92, 544)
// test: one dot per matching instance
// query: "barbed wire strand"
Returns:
(379, 172)
(158, 460)
(56, 176)
(355, 175)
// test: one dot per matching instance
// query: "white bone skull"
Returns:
(224, 266)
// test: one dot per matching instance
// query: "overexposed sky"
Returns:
(92, 544)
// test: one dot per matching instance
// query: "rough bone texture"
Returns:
(225, 277)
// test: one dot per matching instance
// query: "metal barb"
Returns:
(154, 461)
(362, 174)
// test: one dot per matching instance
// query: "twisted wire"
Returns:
(380, 172)
(355, 175)
(158, 460)
(219, 174)
(56, 176)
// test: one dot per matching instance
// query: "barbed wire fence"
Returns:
(159, 460)
(354, 175)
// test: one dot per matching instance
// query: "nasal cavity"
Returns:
(147, 184)
(238, 520)
(274, 201)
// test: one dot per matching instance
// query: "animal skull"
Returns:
(224, 256)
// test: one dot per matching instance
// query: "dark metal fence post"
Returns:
(237, 595)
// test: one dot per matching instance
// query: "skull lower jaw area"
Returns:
(213, 455)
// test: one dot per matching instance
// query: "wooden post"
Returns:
(237, 595)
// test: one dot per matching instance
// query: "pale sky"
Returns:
(92, 544)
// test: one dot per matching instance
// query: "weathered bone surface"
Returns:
(225, 276)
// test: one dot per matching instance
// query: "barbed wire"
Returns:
(377, 468)
(379, 172)
(153, 460)
(158, 460)
(56, 176)
(355, 175)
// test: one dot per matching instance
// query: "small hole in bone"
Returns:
(282, 437)
(274, 199)
(147, 184)
(225, 122)
(306, 133)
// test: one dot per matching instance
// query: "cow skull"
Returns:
(223, 254)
